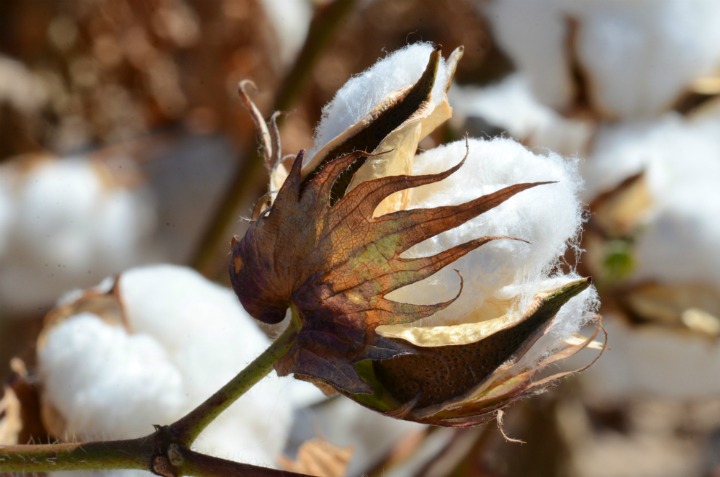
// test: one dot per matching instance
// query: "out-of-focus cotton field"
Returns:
(128, 160)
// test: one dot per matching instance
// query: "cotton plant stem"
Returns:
(187, 429)
(125, 454)
(201, 465)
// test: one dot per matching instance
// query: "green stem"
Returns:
(187, 429)
(125, 454)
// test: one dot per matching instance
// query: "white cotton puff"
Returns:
(510, 105)
(107, 383)
(71, 225)
(362, 93)
(638, 56)
(532, 34)
(197, 336)
(641, 55)
(547, 216)
(678, 236)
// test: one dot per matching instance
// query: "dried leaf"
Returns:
(319, 458)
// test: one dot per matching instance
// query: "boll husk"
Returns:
(146, 348)
(623, 59)
(336, 246)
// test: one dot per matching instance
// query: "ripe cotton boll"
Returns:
(161, 344)
(634, 59)
(73, 222)
(338, 244)
(510, 106)
(545, 217)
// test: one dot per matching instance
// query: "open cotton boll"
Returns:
(511, 106)
(181, 338)
(73, 222)
(547, 216)
(533, 33)
(637, 57)
(105, 382)
(623, 149)
(641, 55)
(362, 93)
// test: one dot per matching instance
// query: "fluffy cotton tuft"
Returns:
(638, 56)
(547, 216)
(362, 93)
(680, 232)
(185, 338)
(71, 225)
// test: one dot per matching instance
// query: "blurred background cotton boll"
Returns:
(154, 346)
(121, 136)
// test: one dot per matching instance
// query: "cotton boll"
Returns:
(547, 216)
(182, 338)
(364, 92)
(510, 105)
(637, 57)
(641, 56)
(533, 34)
(107, 383)
(74, 221)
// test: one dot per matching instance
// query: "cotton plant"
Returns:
(145, 348)
(66, 223)
(379, 223)
(428, 287)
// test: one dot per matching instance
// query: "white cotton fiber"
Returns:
(107, 383)
(641, 55)
(362, 93)
(532, 33)
(510, 105)
(185, 338)
(637, 56)
(547, 216)
(72, 223)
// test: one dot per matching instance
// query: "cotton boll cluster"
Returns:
(153, 348)
(635, 58)
(67, 223)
